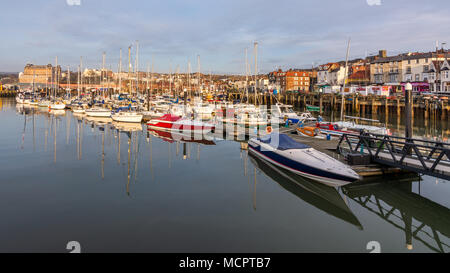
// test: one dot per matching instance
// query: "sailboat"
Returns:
(57, 105)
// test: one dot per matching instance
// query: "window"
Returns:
(426, 60)
(417, 61)
(408, 70)
(417, 77)
(409, 61)
(426, 68)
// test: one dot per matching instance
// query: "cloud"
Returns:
(290, 33)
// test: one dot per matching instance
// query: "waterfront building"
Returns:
(359, 73)
(409, 67)
(337, 75)
(39, 74)
(445, 76)
(291, 80)
(324, 73)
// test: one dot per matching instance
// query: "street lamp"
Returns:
(408, 110)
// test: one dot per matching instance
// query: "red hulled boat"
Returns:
(175, 123)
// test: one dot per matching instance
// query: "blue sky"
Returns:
(290, 33)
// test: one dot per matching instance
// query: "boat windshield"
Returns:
(285, 109)
(282, 142)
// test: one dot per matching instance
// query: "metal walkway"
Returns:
(417, 155)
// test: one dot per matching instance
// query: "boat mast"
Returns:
(102, 73)
(81, 74)
(56, 77)
(246, 74)
(345, 80)
(129, 67)
(151, 79)
(148, 89)
(198, 75)
(189, 79)
(256, 67)
(136, 67)
(46, 82)
(68, 77)
(34, 76)
(120, 71)
(78, 89)
(170, 77)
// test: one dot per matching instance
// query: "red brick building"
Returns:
(292, 80)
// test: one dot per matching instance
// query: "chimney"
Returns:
(382, 53)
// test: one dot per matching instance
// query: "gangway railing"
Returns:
(417, 155)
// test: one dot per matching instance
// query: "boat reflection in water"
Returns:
(175, 137)
(127, 127)
(320, 196)
(418, 217)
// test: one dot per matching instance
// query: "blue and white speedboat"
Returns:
(301, 159)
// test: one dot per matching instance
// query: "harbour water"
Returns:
(123, 189)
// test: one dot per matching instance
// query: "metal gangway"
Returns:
(410, 154)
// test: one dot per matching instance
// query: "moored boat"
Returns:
(98, 112)
(176, 123)
(57, 106)
(126, 116)
(301, 159)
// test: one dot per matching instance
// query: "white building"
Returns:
(445, 76)
(337, 76)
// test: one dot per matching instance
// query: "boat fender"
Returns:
(308, 131)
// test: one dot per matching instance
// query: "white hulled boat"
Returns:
(127, 116)
(97, 111)
(301, 159)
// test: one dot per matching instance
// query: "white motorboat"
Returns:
(20, 98)
(57, 106)
(180, 110)
(44, 103)
(350, 125)
(286, 112)
(151, 114)
(127, 116)
(97, 111)
(203, 110)
(78, 110)
(161, 106)
(344, 127)
(301, 159)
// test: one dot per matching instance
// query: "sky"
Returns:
(171, 33)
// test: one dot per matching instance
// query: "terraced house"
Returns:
(292, 80)
(410, 67)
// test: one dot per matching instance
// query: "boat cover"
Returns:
(284, 142)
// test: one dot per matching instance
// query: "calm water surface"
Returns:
(121, 189)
